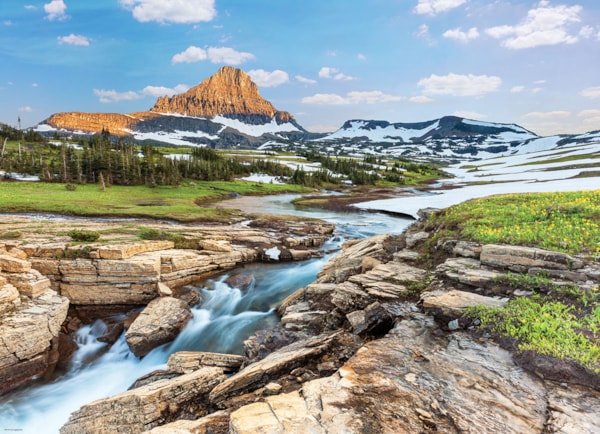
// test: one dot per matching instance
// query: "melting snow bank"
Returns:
(534, 172)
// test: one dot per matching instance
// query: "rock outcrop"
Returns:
(160, 322)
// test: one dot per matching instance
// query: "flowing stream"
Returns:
(223, 319)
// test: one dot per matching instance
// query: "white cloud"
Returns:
(517, 89)
(544, 25)
(470, 115)
(361, 56)
(459, 85)
(34, 85)
(225, 55)
(356, 97)
(325, 98)
(334, 73)
(269, 79)
(591, 92)
(461, 36)
(420, 99)
(548, 115)
(190, 55)
(174, 11)
(587, 32)
(56, 10)
(537, 89)
(7, 23)
(423, 31)
(108, 96)
(372, 97)
(590, 116)
(305, 80)
(73, 39)
(434, 7)
(30, 7)
(25, 109)
(157, 91)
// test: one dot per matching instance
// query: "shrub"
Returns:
(10, 235)
(83, 236)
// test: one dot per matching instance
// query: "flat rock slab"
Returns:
(125, 251)
(521, 259)
(453, 304)
(144, 408)
(160, 322)
(189, 361)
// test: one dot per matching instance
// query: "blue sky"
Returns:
(534, 63)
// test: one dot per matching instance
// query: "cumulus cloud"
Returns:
(305, 80)
(517, 89)
(325, 98)
(544, 25)
(269, 79)
(334, 73)
(356, 97)
(558, 114)
(459, 85)
(25, 109)
(30, 7)
(461, 36)
(361, 56)
(434, 7)
(56, 10)
(590, 116)
(108, 96)
(157, 91)
(225, 55)
(591, 92)
(73, 39)
(420, 99)
(173, 11)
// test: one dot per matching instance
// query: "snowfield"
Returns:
(522, 173)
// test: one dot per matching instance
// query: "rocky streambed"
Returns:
(377, 344)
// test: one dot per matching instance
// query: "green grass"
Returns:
(190, 202)
(563, 221)
(594, 155)
(547, 327)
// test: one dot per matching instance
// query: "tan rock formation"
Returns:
(160, 322)
(145, 407)
(228, 92)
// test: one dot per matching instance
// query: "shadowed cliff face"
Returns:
(229, 93)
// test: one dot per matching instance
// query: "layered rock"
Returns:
(160, 322)
(148, 406)
(28, 335)
(228, 92)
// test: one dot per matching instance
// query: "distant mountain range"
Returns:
(227, 110)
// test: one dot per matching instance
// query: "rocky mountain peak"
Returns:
(229, 92)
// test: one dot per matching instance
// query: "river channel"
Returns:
(225, 317)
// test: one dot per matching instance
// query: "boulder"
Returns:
(184, 362)
(146, 407)
(9, 298)
(160, 322)
(31, 284)
(447, 306)
(26, 336)
(469, 272)
(521, 259)
(10, 264)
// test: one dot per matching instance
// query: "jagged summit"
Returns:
(228, 92)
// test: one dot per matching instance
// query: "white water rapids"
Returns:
(225, 317)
